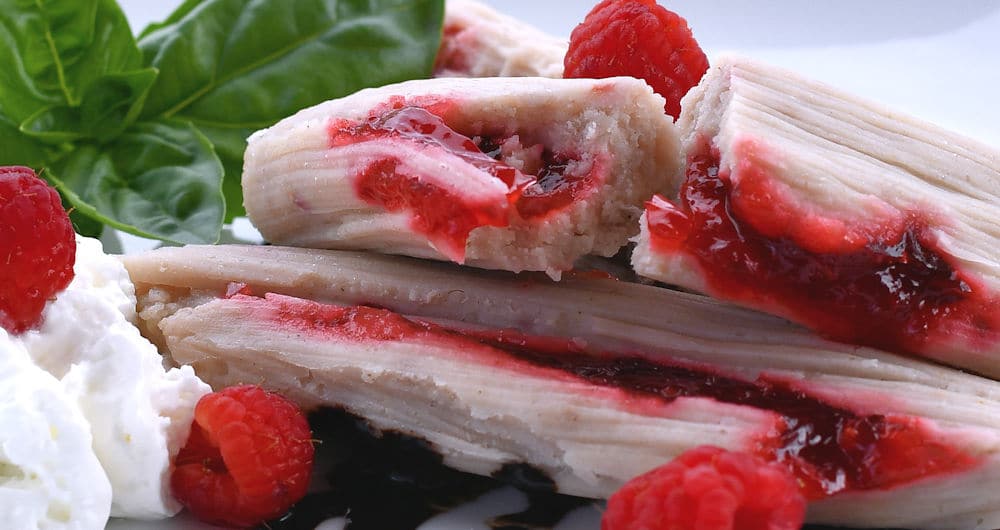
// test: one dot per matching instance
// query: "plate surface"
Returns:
(920, 57)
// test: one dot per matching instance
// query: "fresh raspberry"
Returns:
(37, 247)
(248, 458)
(637, 38)
(708, 489)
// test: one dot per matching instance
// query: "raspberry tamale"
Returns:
(590, 381)
(480, 42)
(503, 173)
(865, 225)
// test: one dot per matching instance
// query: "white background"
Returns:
(937, 60)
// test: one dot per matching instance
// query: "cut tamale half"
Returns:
(500, 173)
(865, 225)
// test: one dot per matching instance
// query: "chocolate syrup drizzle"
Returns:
(393, 481)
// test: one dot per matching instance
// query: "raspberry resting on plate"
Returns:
(248, 459)
(708, 488)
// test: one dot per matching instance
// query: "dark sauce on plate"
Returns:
(393, 481)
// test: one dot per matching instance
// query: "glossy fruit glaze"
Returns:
(546, 182)
(885, 284)
(831, 449)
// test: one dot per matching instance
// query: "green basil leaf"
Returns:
(235, 66)
(113, 103)
(179, 13)
(109, 106)
(24, 56)
(17, 149)
(83, 225)
(253, 62)
(74, 85)
(54, 125)
(51, 51)
(159, 179)
(230, 143)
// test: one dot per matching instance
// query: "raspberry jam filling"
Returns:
(538, 181)
(893, 288)
(831, 449)
(556, 181)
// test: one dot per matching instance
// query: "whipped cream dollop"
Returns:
(49, 474)
(139, 412)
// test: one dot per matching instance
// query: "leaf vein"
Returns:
(60, 73)
(217, 82)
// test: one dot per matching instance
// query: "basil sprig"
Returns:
(147, 135)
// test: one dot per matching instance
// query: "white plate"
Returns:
(924, 58)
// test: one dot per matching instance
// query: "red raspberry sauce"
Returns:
(444, 216)
(886, 285)
(831, 449)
